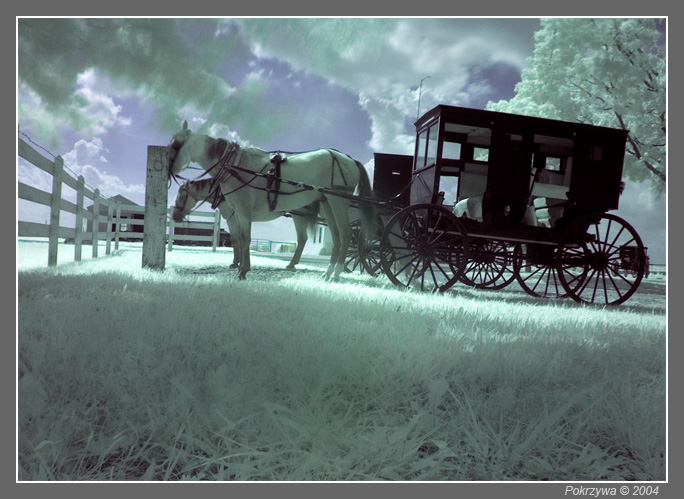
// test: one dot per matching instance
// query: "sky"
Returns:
(99, 91)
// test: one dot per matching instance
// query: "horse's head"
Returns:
(184, 203)
(175, 146)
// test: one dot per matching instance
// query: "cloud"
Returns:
(33, 176)
(152, 58)
(212, 68)
(88, 158)
(89, 110)
(382, 60)
(387, 127)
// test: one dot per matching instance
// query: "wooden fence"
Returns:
(86, 229)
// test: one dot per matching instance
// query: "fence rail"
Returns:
(87, 226)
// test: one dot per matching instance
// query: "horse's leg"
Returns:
(228, 215)
(340, 212)
(245, 229)
(235, 240)
(333, 228)
(301, 228)
(236, 251)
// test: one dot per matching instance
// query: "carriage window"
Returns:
(553, 164)
(420, 150)
(449, 186)
(553, 170)
(451, 150)
(481, 154)
(433, 133)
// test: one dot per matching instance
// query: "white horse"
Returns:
(196, 191)
(325, 175)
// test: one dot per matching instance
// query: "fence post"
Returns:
(216, 239)
(96, 222)
(55, 207)
(80, 199)
(110, 221)
(156, 209)
(118, 227)
(172, 231)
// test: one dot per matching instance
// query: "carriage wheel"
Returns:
(535, 268)
(369, 250)
(363, 253)
(489, 266)
(424, 246)
(601, 260)
(353, 261)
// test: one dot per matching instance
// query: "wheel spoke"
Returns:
(611, 260)
(403, 269)
(413, 273)
(575, 278)
(612, 243)
(584, 285)
(615, 285)
(417, 248)
(627, 281)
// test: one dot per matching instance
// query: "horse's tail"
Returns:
(312, 217)
(368, 216)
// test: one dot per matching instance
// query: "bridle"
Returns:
(215, 195)
(175, 146)
(227, 166)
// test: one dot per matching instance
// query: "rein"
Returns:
(273, 177)
(214, 190)
(227, 166)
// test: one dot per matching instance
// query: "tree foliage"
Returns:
(608, 72)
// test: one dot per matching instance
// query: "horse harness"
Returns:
(227, 166)
(273, 180)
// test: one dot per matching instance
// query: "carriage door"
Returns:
(597, 170)
(509, 177)
(424, 185)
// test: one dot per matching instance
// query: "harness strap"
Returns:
(335, 161)
(229, 167)
(274, 177)
(219, 198)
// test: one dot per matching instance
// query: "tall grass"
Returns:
(131, 374)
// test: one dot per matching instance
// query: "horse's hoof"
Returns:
(233, 266)
(290, 269)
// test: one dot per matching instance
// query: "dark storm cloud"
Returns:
(169, 64)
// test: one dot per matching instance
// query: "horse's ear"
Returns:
(185, 125)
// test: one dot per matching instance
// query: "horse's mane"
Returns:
(201, 184)
(216, 147)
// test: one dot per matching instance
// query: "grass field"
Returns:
(188, 374)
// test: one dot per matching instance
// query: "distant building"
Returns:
(319, 242)
(126, 212)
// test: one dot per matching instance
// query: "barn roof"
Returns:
(123, 200)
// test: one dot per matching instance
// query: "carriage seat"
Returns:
(548, 205)
(470, 208)
(547, 211)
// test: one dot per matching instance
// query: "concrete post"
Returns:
(156, 208)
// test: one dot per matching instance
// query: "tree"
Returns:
(608, 72)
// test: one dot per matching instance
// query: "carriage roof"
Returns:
(507, 148)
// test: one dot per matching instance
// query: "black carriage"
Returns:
(492, 198)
